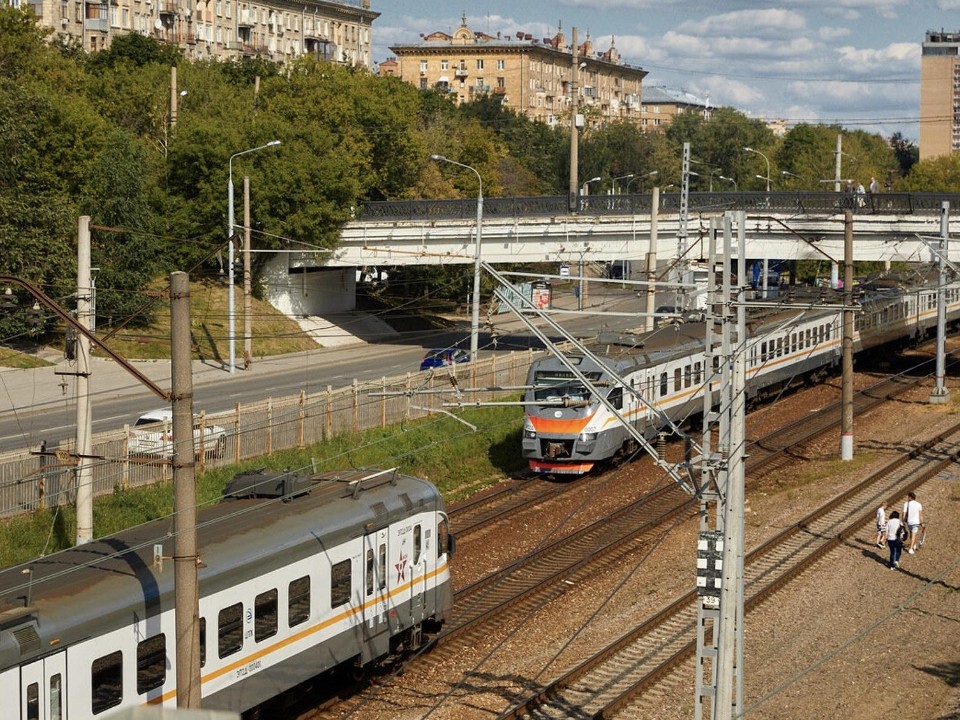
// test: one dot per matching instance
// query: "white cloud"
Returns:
(771, 22)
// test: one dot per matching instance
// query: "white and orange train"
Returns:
(567, 430)
(297, 575)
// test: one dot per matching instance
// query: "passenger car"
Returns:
(441, 357)
(152, 435)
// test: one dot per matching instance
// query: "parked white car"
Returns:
(152, 435)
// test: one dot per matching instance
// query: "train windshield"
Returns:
(556, 385)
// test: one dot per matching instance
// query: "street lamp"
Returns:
(621, 177)
(764, 177)
(641, 178)
(724, 177)
(583, 188)
(767, 176)
(230, 228)
(475, 314)
(787, 173)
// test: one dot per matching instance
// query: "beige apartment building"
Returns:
(531, 76)
(277, 30)
(940, 94)
(659, 108)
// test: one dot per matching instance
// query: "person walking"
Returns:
(873, 187)
(881, 525)
(895, 539)
(913, 517)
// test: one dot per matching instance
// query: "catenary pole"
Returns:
(652, 257)
(184, 497)
(84, 410)
(940, 392)
(247, 302)
(846, 393)
(574, 196)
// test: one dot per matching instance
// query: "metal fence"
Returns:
(30, 481)
(798, 202)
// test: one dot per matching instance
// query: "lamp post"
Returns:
(641, 178)
(764, 177)
(724, 177)
(621, 177)
(767, 176)
(584, 188)
(475, 313)
(230, 228)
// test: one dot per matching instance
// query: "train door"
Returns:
(375, 590)
(42, 689)
(419, 571)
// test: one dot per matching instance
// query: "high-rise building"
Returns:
(529, 75)
(940, 94)
(278, 30)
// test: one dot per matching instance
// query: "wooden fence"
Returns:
(30, 481)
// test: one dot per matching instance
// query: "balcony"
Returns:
(167, 9)
(246, 20)
(461, 72)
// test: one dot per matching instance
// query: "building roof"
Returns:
(653, 95)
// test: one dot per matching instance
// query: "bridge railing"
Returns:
(793, 202)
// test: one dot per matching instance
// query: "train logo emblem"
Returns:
(401, 567)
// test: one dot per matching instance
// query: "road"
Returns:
(40, 405)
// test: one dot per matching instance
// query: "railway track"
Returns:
(618, 678)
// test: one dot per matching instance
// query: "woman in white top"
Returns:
(894, 540)
(913, 517)
(881, 525)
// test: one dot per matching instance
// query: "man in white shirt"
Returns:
(913, 517)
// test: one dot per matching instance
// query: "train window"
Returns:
(687, 376)
(56, 703)
(370, 567)
(763, 352)
(33, 701)
(676, 379)
(443, 538)
(698, 373)
(663, 384)
(230, 630)
(382, 561)
(106, 680)
(265, 615)
(340, 584)
(417, 543)
(298, 601)
(151, 663)
(203, 641)
(616, 397)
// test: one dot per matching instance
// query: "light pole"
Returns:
(621, 177)
(475, 313)
(724, 177)
(750, 149)
(764, 177)
(230, 227)
(641, 178)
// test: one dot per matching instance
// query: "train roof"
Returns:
(116, 573)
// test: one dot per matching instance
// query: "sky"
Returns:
(851, 62)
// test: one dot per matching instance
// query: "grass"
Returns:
(458, 460)
(273, 332)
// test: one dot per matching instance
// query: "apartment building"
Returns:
(278, 30)
(940, 94)
(659, 107)
(529, 75)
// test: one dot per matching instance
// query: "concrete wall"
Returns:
(295, 288)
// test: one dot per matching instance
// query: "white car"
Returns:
(152, 435)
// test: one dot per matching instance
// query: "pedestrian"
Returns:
(913, 517)
(881, 524)
(895, 536)
(861, 195)
(874, 187)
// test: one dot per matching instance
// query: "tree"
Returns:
(905, 152)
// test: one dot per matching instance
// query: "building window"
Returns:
(501, 64)
(501, 82)
(444, 64)
(423, 66)
(479, 63)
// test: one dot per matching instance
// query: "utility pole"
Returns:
(84, 412)
(247, 319)
(652, 257)
(682, 266)
(574, 196)
(173, 100)
(187, 610)
(940, 392)
(837, 163)
(846, 390)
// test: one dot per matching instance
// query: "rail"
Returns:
(795, 202)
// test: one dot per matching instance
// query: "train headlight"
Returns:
(588, 437)
(528, 432)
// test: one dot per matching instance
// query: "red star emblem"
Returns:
(401, 567)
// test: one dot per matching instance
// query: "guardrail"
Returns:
(31, 482)
(556, 205)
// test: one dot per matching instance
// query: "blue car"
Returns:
(441, 357)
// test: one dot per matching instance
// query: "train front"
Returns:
(563, 433)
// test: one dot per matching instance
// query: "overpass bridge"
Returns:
(780, 225)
